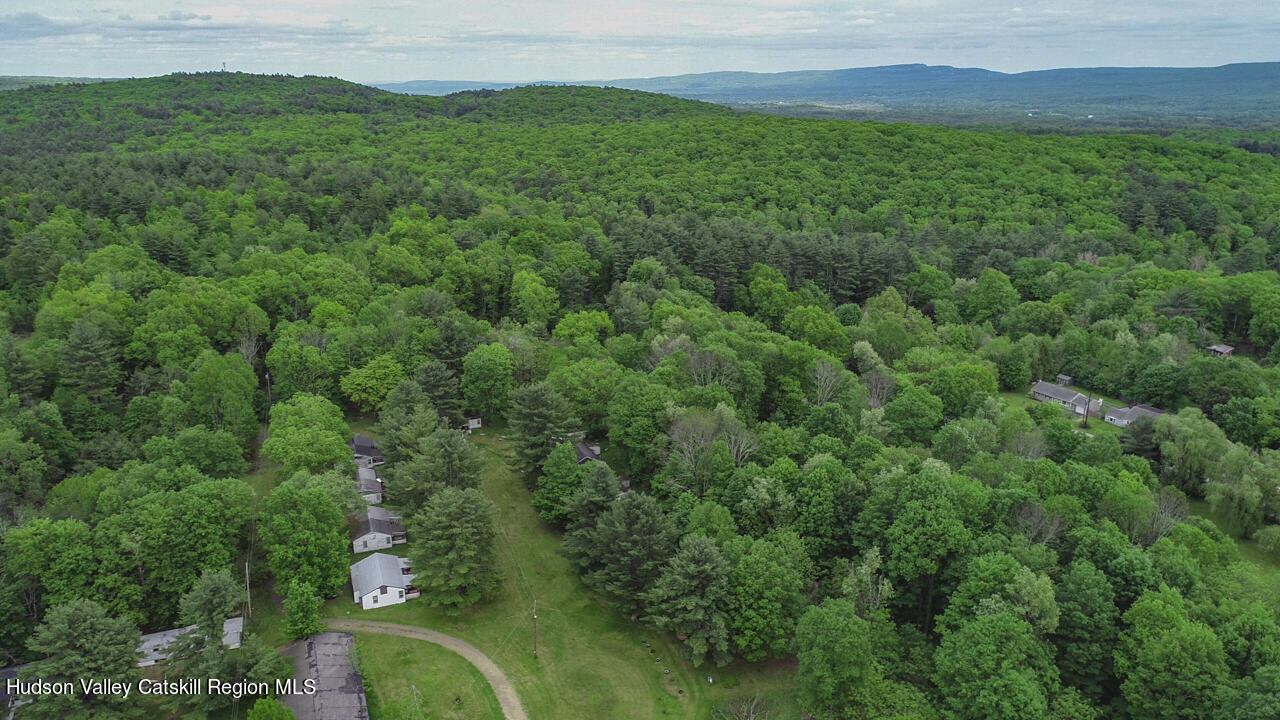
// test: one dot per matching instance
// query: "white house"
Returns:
(1077, 403)
(155, 646)
(376, 533)
(369, 485)
(1123, 417)
(381, 579)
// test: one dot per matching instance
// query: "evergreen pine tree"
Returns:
(539, 418)
(453, 548)
(690, 597)
(634, 538)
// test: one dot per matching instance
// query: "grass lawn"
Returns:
(1097, 426)
(408, 678)
(1267, 564)
(592, 662)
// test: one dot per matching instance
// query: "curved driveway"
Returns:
(502, 687)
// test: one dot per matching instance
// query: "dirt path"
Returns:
(502, 687)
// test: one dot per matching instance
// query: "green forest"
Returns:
(806, 347)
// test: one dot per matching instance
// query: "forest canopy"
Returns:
(805, 345)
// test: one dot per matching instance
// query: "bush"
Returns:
(1269, 539)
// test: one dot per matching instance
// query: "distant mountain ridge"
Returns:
(1227, 91)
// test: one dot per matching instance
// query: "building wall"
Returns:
(373, 498)
(394, 596)
(371, 541)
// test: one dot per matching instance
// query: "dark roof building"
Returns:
(326, 659)
(1221, 350)
(367, 525)
(587, 453)
(7, 674)
(361, 445)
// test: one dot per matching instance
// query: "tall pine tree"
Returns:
(453, 548)
(539, 418)
(690, 597)
(633, 539)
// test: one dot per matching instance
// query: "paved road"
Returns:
(502, 687)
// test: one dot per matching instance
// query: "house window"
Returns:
(384, 589)
(375, 599)
(401, 594)
(364, 543)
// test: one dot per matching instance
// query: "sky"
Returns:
(512, 41)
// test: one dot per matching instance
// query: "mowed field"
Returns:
(592, 662)
(409, 679)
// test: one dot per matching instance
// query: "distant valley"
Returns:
(1237, 95)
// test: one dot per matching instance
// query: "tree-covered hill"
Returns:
(807, 345)
(53, 118)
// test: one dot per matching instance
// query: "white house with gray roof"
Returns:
(1076, 402)
(156, 646)
(376, 531)
(381, 579)
(1123, 417)
(369, 485)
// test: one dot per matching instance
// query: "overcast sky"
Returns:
(508, 40)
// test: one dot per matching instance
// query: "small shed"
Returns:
(1064, 379)
(1221, 350)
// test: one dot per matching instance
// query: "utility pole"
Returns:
(535, 628)
(248, 596)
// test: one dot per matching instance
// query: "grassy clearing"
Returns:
(408, 678)
(1266, 564)
(592, 663)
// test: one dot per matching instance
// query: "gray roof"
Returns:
(1130, 414)
(1222, 348)
(377, 512)
(326, 658)
(377, 570)
(362, 445)
(1057, 392)
(386, 527)
(367, 480)
(586, 453)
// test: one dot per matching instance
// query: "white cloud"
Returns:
(589, 39)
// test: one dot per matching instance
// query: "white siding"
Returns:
(371, 541)
(376, 599)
